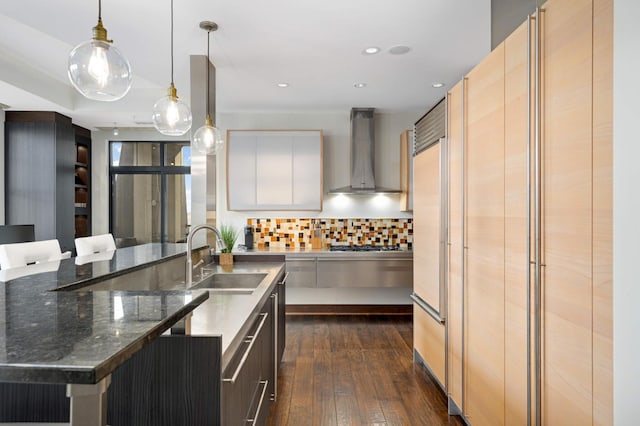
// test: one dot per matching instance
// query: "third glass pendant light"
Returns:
(171, 116)
(208, 139)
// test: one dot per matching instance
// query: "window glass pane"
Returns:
(177, 154)
(150, 205)
(135, 154)
(116, 148)
(178, 208)
(137, 208)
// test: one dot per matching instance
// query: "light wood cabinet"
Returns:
(494, 212)
(428, 337)
(567, 218)
(484, 237)
(455, 245)
(602, 212)
(406, 171)
(274, 170)
(516, 129)
(426, 226)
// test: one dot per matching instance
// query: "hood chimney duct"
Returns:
(363, 148)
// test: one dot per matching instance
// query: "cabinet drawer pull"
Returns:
(276, 314)
(284, 279)
(264, 384)
(248, 351)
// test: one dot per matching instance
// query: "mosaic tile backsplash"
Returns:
(296, 233)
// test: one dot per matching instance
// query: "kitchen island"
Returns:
(58, 327)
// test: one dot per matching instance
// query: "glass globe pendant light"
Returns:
(97, 69)
(208, 139)
(171, 116)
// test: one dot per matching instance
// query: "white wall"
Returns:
(336, 131)
(626, 213)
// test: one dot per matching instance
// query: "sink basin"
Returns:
(236, 282)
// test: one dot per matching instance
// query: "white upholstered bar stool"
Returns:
(23, 254)
(95, 244)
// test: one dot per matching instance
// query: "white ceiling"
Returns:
(315, 46)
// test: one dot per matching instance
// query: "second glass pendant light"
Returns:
(171, 116)
(208, 139)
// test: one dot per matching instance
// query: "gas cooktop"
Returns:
(366, 247)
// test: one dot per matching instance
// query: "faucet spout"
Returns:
(189, 263)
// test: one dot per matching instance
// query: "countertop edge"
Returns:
(89, 281)
(78, 374)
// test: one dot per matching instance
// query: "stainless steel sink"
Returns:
(235, 282)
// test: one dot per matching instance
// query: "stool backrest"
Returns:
(95, 244)
(23, 254)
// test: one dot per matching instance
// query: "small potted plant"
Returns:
(229, 237)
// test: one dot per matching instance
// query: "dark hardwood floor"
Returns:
(354, 370)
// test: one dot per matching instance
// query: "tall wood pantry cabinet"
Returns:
(528, 332)
(41, 165)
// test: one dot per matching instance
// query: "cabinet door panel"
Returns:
(428, 337)
(484, 280)
(426, 226)
(307, 170)
(603, 212)
(567, 212)
(274, 170)
(241, 171)
(516, 261)
(406, 170)
(454, 310)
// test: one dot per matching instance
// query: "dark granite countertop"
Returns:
(83, 270)
(80, 337)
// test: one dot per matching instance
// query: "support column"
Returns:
(89, 403)
(203, 171)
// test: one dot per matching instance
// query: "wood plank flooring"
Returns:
(354, 370)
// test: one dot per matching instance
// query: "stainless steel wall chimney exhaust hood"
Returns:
(363, 180)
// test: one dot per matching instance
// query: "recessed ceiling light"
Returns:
(371, 50)
(283, 85)
(360, 85)
(436, 85)
(399, 50)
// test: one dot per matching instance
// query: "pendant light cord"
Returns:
(208, 38)
(99, 9)
(171, 41)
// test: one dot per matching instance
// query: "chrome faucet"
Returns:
(189, 265)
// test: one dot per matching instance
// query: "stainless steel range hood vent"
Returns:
(363, 180)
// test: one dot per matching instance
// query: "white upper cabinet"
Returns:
(274, 170)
